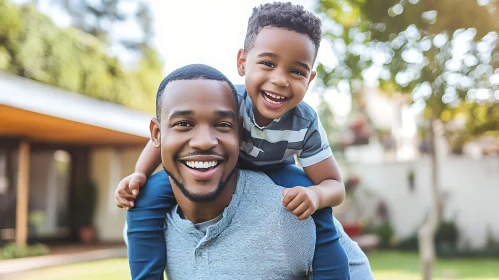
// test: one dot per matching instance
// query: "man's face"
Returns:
(198, 136)
(278, 70)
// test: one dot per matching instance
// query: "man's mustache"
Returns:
(209, 152)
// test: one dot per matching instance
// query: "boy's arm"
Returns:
(128, 187)
(321, 167)
(149, 160)
(328, 190)
(329, 187)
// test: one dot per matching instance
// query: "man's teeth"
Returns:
(201, 164)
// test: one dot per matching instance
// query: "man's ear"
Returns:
(154, 127)
(312, 77)
(241, 62)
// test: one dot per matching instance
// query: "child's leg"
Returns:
(330, 260)
(357, 260)
(146, 225)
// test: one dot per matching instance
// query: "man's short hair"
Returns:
(192, 72)
(286, 16)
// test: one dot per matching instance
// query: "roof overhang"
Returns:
(47, 114)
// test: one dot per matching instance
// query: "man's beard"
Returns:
(201, 197)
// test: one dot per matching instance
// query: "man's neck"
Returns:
(198, 212)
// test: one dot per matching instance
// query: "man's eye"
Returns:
(183, 124)
(224, 124)
(267, 63)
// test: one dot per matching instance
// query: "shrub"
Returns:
(12, 251)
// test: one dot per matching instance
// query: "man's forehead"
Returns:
(184, 95)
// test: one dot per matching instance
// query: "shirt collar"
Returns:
(250, 114)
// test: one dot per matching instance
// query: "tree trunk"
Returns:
(427, 232)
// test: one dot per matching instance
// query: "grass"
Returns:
(385, 266)
(397, 265)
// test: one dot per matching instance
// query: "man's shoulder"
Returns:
(261, 187)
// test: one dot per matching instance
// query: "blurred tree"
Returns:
(31, 45)
(331, 126)
(445, 53)
(100, 17)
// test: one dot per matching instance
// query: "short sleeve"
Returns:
(316, 145)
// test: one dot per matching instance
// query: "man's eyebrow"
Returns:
(269, 54)
(227, 114)
(179, 114)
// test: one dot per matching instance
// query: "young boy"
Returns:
(279, 52)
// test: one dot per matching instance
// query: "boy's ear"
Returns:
(155, 132)
(312, 77)
(241, 62)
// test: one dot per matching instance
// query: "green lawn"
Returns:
(385, 265)
(396, 266)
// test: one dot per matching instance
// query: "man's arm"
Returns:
(299, 242)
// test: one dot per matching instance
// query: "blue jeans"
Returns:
(146, 222)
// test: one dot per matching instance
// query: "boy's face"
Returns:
(278, 70)
(198, 137)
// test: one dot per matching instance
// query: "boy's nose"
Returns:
(279, 79)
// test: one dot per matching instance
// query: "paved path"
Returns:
(11, 267)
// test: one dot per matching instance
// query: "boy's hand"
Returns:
(128, 189)
(301, 202)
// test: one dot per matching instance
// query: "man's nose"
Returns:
(204, 138)
(279, 78)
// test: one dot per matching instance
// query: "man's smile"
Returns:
(202, 167)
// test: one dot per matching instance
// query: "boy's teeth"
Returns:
(271, 101)
(201, 164)
(274, 96)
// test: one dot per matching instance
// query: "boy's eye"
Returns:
(298, 72)
(267, 63)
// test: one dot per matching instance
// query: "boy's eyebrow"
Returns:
(303, 64)
(178, 114)
(269, 54)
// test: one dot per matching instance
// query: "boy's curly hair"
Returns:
(283, 15)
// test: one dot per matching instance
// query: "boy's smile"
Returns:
(278, 71)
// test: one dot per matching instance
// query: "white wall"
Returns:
(107, 167)
(472, 187)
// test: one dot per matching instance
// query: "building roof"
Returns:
(33, 110)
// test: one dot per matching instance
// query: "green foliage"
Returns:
(12, 251)
(440, 52)
(386, 234)
(31, 45)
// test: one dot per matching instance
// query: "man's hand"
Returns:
(300, 201)
(128, 189)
